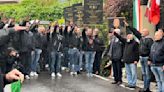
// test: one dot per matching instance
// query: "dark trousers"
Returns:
(3, 67)
(1, 82)
(117, 70)
(97, 61)
(25, 58)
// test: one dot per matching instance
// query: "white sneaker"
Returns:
(32, 74)
(46, 66)
(59, 74)
(27, 77)
(91, 75)
(71, 73)
(63, 68)
(52, 74)
(75, 73)
(88, 75)
(35, 74)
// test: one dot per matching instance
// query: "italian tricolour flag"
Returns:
(136, 14)
(13, 87)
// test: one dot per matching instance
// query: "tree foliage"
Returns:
(121, 8)
(36, 9)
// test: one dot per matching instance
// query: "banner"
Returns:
(68, 14)
(78, 14)
(93, 13)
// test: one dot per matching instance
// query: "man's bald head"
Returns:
(158, 36)
(160, 30)
(145, 32)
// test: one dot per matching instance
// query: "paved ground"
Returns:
(80, 83)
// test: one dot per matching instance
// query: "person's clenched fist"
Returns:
(14, 75)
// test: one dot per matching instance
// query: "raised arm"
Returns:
(123, 40)
(135, 32)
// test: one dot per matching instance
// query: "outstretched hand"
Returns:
(18, 28)
(126, 24)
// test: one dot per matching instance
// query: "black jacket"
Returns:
(99, 44)
(37, 40)
(55, 42)
(66, 37)
(2, 79)
(73, 40)
(26, 41)
(157, 53)
(131, 50)
(4, 44)
(117, 50)
(44, 41)
(145, 42)
(87, 46)
(80, 43)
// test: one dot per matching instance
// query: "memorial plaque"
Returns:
(78, 14)
(68, 14)
(117, 22)
(93, 11)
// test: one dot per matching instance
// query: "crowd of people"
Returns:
(137, 46)
(53, 47)
(27, 45)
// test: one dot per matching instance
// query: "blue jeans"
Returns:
(131, 73)
(65, 62)
(55, 63)
(35, 59)
(81, 53)
(159, 76)
(145, 71)
(74, 59)
(89, 60)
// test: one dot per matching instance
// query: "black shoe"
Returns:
(119, 83)
(148, 90)
(142, 90)
(129, 86)
(78, 72)
(145, 90)
(132, 86)
(115, 82)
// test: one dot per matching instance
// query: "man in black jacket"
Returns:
(156, 60)
(89, 48)
(37, 49)
(25, 49)
(99, 47)
(55, 47)
(130, 57)
(144, 51)
(4, 39)
(73, 51)
(115, 53)
(9, 77)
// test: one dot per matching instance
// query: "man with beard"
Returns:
(144, 52)
(130, 57)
